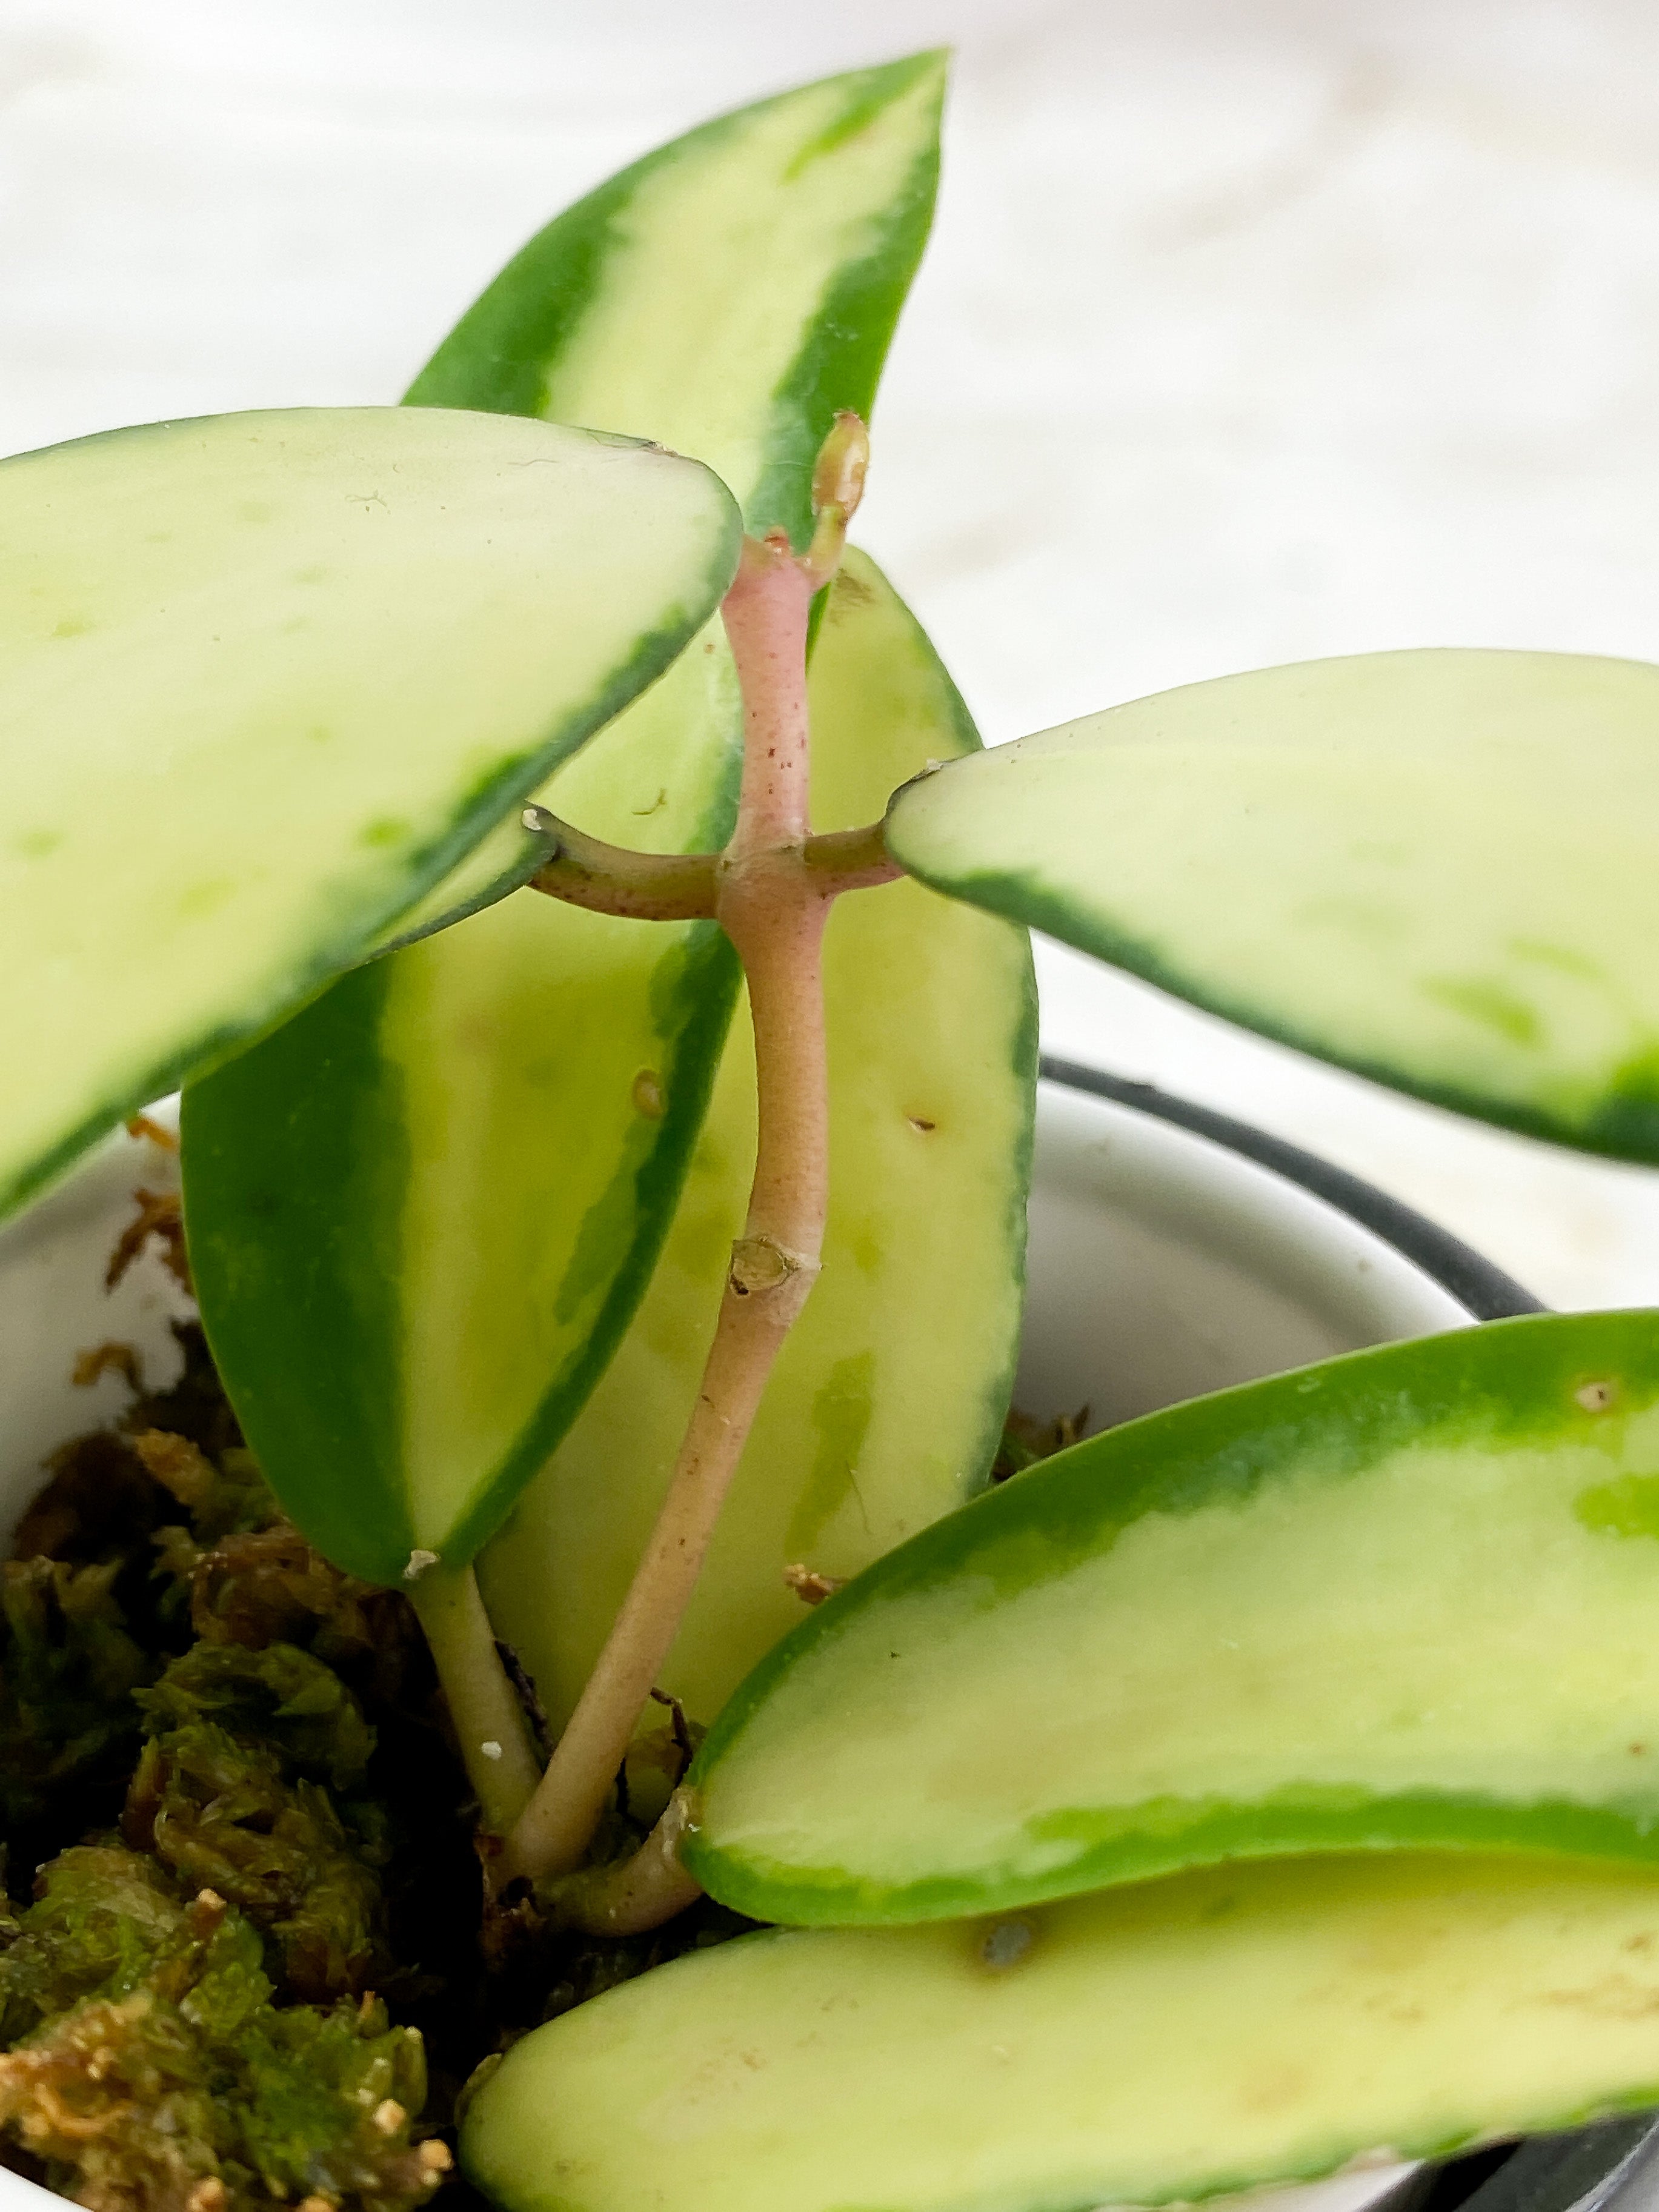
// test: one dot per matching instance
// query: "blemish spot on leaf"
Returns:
(865, 1245)
(850, 591)
(646, 1094)
(1627, 1506)
(1006, 1943)
(35, 844)
(921, 1124)
(808, 1585)
(71, 626)
(314, 574)
(1596, 1397)
(1491, 1004)
(385, 830)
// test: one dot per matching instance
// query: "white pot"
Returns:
(1172, 1253)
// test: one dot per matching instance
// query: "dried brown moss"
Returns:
(241, 1748)
(1025, 1440)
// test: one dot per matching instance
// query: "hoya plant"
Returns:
(591, 944)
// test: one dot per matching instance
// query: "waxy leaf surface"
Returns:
(263, 678)
(1402, 1598)
(1173, 2042)
(887, 1402)
(1434, 867)
(459, 1164)
(725, 296)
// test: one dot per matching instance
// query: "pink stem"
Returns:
(774, 909)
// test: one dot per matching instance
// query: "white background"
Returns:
(1252, 330)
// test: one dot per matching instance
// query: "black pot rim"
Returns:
(1487, 1292)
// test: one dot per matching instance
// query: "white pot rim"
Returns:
(1487, 1292)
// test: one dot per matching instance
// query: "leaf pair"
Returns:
(1357, 1664)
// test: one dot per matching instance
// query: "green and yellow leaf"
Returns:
(725, 297)
(1404, 1598)
(263, 679)
(1178, 2041)
(1435, 867)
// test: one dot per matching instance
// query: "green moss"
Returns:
(280, 1696)
(152, 2059)
(68, 1666)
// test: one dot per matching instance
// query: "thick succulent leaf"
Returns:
(887, 1402)
(724, 296)
(263, 678)
(457, 1168)
(437, 1192)
(1170, 2043)
(1403, 1598)
(1434, 867)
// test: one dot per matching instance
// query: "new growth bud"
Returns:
(842, 463)
(837, 487)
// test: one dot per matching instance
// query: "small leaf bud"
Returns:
(842, 463)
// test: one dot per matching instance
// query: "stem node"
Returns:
(760, 1264)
